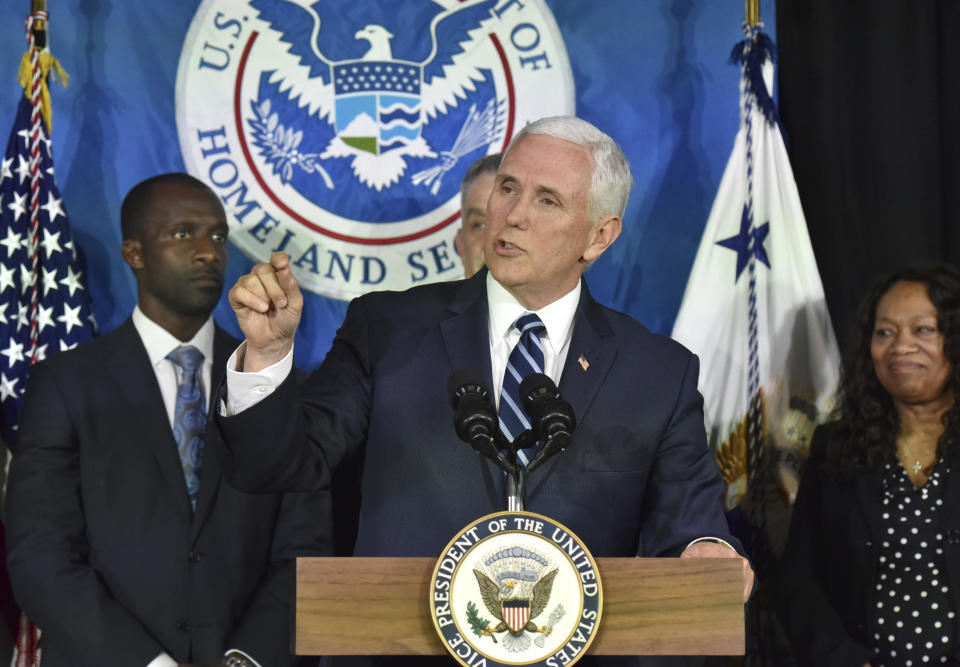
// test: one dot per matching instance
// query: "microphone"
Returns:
(474, 418)
(552, 417)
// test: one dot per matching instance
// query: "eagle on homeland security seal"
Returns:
(338, 132)
(516, 588)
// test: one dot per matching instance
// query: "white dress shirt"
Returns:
(159, 343)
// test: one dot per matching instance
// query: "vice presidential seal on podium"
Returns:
(516, 588)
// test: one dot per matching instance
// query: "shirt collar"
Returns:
(557, 317)
(159, 342)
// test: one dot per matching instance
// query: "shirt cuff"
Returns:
(716, 540)
(244, 390)
(237, 653)
(163, 660)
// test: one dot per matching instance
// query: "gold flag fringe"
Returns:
(48, 65)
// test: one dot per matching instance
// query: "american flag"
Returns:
(62, 316)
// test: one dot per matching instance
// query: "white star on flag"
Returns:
(13, 353)
(11, 242)
(7, 387)
(51, 242)
(44, 317)
(53, 207)
(18, 205)
(5, 171)
(23, 316)
(23, 168)
(70, 317)
(41, 352)
(72, 281)
(49, 281)
(6, 277)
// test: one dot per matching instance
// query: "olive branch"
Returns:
(480, 626)
(279, 145)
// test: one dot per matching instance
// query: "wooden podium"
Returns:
(651, 606)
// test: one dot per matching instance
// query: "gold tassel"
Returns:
(48, 65)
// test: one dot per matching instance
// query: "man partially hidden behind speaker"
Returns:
(637, 478)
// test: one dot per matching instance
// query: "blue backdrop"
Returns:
(651, 73)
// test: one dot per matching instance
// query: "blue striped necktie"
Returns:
(189, 416)
(526, 358)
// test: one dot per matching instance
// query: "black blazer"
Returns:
(827, 580)
(104, 552)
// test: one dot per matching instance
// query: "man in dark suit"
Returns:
(638, 478)
(126, 546)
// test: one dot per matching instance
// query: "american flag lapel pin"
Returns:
(584, 364)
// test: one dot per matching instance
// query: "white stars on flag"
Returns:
(40, 272)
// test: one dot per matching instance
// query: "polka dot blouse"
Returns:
(914, 622)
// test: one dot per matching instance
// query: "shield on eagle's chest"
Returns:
(516, 613)
(377, 103)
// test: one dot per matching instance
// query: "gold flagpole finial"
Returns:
(753, 13)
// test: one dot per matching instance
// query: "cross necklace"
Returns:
(917, 466)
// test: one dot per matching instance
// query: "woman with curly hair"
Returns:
(871, 570)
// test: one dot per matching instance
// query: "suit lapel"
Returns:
(130, 368)
(465, 333)
(467, 341)
(589, 358)
(210, 474)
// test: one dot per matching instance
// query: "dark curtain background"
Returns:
(869, 95)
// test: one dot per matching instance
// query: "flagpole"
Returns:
(29, 634)
(752, 13)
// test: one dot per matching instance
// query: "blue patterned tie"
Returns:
(526, 358)
(190, 416)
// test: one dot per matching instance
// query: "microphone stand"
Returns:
(515, 487)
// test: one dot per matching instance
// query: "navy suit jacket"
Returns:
(637, 479)
(104, 551)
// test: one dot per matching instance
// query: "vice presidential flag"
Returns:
(754, 310)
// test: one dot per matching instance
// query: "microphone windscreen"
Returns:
(462, 380)
(537, 385)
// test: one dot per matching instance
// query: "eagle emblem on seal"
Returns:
(375, 101)
(515, 585)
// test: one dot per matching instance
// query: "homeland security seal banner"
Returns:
(338, 131)
(516, 588)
